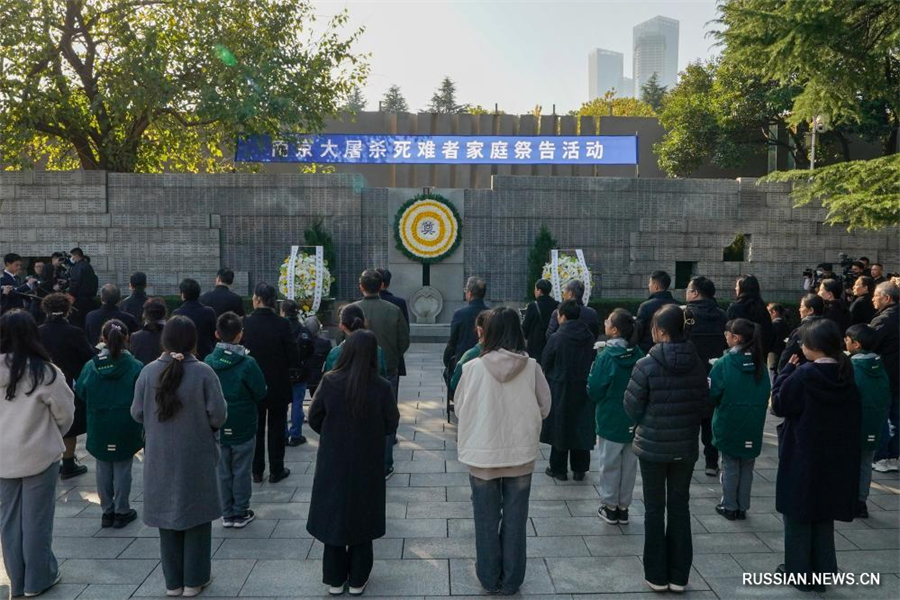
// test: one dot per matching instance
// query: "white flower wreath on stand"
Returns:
(562, 269)
(305, 278)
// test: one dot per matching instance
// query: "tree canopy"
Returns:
(653, 93)
(611, 106)
(444, 99)
(355, 102)
(393, 100)
(145, 85)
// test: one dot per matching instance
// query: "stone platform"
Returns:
(429, 548)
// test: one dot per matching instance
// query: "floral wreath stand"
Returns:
(563, 269)
(311, 296)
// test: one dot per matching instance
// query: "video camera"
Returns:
(826, 271)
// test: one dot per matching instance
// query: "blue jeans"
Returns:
(295, 427)
(501, 516)
(235, 489)
(890, 436)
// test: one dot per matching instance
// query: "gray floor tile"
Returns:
(416, 528)
(596, 575)
(464, 581)
(270, 549)
(877, 539)
(228, 577)
(69, 547)
(435, 548)
(107, 591)
(556, 547)
(383, 549)
(466, 528)
(869, 561)
(573, 526)
(439, 510)
(623, 545)
(76, 570)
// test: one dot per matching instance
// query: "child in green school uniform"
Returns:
(739, 387)
(875, 392)
(106, 386)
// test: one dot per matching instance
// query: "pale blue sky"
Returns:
(516, 54)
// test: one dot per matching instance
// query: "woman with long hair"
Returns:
(179, 400)
(353, 412)
(501, 401)
(818, 450)
(36, 408)
(749, 304)
(69, 350)
(667, 398)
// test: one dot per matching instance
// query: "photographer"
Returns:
(861, 309)
(83, 286)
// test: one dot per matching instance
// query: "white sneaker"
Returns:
(335, 590)
(190, 592)
(674, 587)
(658, 588)
(175, 592)
(358, 591)
(55, 581)
(881, 466)
(893, 465)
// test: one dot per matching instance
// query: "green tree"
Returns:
(843, 56)
(356, 102)
(393, 101)
(147, 85)
(610, 106)
(721, 112)
(444, 99)
(316, 235)
(538, 257)
(652, 93)
(861, 194)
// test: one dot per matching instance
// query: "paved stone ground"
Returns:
(429, 548)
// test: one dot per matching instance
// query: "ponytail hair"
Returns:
(673, 320)
(291, 310)
(179, 339)
(353, 317)
(751, 334)
(115, 335)
(824, 335)
(629, 328)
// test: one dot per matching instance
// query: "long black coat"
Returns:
(818, 442)
(134, 306)
(96, 319)
(204, 319)
(588, 315)
(567, 361)
(146, 344)
(269, 339)
(537, 319)
(645, 314)
(667, 397)
(348, 495)
(70, 351)
(837, 312)
(756, 311)
(221, 300)
(708, 332)
(887, 323)
(462, 331)
(862, 310)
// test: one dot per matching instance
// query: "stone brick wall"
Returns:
(181, 225)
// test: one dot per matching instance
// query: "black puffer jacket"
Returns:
(708, 332)
(667, 397)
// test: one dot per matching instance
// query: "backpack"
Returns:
(306, 342)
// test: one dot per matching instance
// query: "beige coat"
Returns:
(32, 424)
(501, 401)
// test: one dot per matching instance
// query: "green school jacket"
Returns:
(609, 377)
(470, 354)
(243, 386)
(875, 392)
(107, 388)
(335, 354)
(741, 401)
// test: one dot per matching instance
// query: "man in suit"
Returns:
(269, 340)
(83, 286)
(204, 317)
(222, 299)
(134, 304)
(462, 325)
(11, 289)
(397, 301)
(109, 309)
(537, 319)
(574, 290)
(658, 286)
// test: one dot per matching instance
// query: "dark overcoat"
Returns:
(348, 495)
(567, 362)
(537, 319)
(204, 319)
(754, 310)
(70, 351)
(818, 442)
(223, 300)
(269, 340)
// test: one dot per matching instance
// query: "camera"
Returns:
(812, 277)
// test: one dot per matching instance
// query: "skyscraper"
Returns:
(655, 45)
(605, 73)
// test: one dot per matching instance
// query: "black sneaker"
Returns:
(578, 476)
(560, 476)
(298, 441)
(242, 521)
(742, 515)
(610, 515)
(388, 473)
(862, 510)
(73, 469)
(731, 515)
(107, 519)
(712, 471)
(622, 515)
(276, 478)
(121, 520)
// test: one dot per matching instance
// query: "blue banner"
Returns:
(441, 149)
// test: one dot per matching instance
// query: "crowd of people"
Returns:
(212, 397)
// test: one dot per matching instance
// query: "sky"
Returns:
(514, 54)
